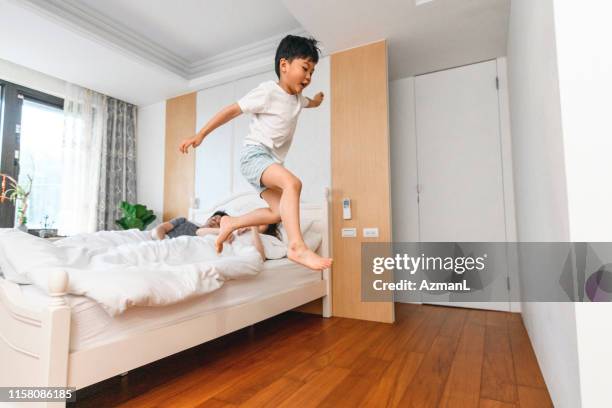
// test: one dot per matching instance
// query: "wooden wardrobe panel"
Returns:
(179, 174)
(360, 171)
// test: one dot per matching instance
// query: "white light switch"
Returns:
(349, 232)
(370, 232)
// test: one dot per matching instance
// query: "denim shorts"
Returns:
(254, 159)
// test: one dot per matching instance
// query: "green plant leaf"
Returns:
(135, 216)
(141, 211)
(137, 223)
(148, 220)
(122, 223)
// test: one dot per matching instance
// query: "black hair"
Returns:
(273, 230)
(220, 212)
(293, 46)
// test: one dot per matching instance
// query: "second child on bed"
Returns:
(178, 227)
(275, 107)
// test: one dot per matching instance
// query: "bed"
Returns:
(58, 340)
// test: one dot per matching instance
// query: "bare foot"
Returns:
(226, 228)
(301, 254)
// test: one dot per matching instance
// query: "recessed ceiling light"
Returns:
(421, 2)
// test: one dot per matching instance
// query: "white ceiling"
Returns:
(145, 51)
(41, 44)
(199, 29)
(435, 35)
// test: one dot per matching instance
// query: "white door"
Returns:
(461, 196)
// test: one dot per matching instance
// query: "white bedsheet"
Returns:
(91, 325)
(121, 269)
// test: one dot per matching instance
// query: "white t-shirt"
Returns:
(274, 117)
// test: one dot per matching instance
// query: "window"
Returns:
(31, 142)
(40, 157)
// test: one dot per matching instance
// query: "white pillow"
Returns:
(238, 206)
(274, 248)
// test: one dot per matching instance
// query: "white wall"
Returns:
(403, 143)
(150, 154)
(29, 78)
(213, 161)
(310, 155)
(583, 33)
(540, 187)
(403, 161)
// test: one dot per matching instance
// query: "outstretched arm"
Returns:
(223, 116)
(315, 101)
(203, 231)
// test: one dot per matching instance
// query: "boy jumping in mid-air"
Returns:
(275, 107)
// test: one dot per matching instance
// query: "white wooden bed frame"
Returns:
(34, 343)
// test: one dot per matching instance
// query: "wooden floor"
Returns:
(432, 356)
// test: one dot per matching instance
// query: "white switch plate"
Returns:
(349, 232)
(370, 232)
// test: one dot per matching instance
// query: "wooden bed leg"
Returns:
(327, 300)
(56, 329)
(326, 249)
(326, 306)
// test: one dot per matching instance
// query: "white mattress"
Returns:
(91, 325)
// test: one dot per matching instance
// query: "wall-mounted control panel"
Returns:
(346, 208)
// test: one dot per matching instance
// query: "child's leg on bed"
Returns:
(260, 216)
(278, 177)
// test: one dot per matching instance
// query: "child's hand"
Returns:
(318, 98)
(194, 142)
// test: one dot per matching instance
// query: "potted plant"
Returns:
(135, 216)
(18, 195)
(46, 231)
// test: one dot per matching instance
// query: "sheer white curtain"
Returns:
(84, 127)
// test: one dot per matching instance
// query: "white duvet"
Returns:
(121, 269)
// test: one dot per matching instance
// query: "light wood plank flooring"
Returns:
(432, 356)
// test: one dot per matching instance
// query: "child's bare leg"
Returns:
(256, 217)
(277, 176)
